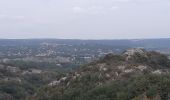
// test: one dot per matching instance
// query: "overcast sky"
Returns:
(85, 19)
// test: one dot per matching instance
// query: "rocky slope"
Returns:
(112, 78)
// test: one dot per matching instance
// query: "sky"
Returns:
(85, 19)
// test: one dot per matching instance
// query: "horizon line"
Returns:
(79, 39)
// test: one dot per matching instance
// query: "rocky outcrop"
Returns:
(144, 97)
(131, 52)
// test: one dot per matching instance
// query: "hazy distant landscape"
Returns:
(84, 49)
(27, 65)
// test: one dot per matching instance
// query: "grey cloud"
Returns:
(84, 18)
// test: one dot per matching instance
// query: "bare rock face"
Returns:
(144, 97)
(131, 52)
(134, 50)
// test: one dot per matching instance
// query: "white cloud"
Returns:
(88, 10)
(114, 7)
(13, 17)
(79, 9)
(140, 1)
(3, 16)
(93, 9)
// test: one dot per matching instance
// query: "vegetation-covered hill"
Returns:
(133, 75)
(17, 83)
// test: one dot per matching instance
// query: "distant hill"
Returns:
(136, 74)
(146, 43)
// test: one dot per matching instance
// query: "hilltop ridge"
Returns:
(130, 65)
